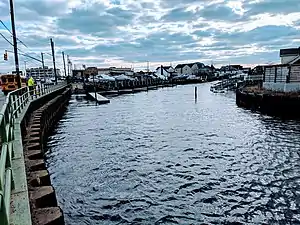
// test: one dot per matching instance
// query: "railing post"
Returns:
(18, 105)
(14, 105)
(27, 94)
(36, 91)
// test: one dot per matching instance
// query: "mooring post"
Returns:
(195, 92)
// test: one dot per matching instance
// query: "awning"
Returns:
(105, 77)
(123, 77)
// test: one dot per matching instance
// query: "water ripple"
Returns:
(158, 157)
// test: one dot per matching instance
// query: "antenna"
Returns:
(148, 66)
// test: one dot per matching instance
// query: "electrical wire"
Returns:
(11, 33)
(27, 56)
(6, 39)
(23, 54)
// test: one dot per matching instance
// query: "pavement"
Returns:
(2, 99)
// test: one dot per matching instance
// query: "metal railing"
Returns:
(226, 83)
(14, 105)
(254, 77)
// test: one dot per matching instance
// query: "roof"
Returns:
(290, 51)
(179, 66)
(165, 67)
(295, 60)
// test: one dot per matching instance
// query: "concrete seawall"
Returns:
(279, 104)
(36, 127)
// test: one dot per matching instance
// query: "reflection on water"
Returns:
(159, 157)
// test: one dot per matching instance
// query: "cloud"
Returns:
(261, 35)
(96, 21)
(120, 32)
(219, 12)
(179, 14)
(271, 6)
(51, 8)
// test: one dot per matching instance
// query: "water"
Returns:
(162, 158)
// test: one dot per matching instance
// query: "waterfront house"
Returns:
(164, 72)
(286, 76)
(169, 69)
(189, 69)
(290, 56)
(183, 69)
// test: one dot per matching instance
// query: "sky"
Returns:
(129, 33)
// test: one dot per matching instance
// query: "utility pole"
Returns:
(53, 56)
(12, 16)
(25, 67)
(43, 64)
(148, 66)
(63, 55)
(68, 65)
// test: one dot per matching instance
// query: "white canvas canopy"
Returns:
(123, 77)
(105, 77)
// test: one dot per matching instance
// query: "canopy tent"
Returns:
(123, 77)
(182, 76)
(104, 77)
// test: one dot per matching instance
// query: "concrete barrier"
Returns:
(36, 127)
(279, 104)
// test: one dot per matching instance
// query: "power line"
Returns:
(24, 53)
(26, 56)
(6, 39)
(47, 53)
(11, 33)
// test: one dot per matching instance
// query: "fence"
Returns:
(14, 105)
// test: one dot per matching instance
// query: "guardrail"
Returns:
(14, 104)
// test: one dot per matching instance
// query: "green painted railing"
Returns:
(14, 105)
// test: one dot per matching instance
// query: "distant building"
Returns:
(78, 74)
(290, 56)
(40, 74)
(246, 69)
(165, 71)
(183, 69)
(237, 67)
(113, 71)
(118, 71)
(90, 71)
(190, 69)
(285, 76)
(15, 73)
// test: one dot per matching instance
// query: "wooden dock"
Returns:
(99, 98)
(140, 89)
(112, 92)
(152, 87)
(125, 91)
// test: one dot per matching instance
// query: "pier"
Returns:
(98, 98)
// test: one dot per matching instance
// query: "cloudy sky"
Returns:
(132, 32)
